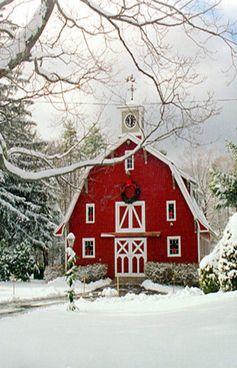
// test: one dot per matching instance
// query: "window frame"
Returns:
(168, 246)
(126, 161)
(90, 205)
(84, 240)
(167, 210)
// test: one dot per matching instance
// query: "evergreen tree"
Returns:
(82, 148)
(224, 185)
(28, 210)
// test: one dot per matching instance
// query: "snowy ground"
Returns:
(183, 329)
(39, 289)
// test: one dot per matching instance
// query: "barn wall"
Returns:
(157, 186)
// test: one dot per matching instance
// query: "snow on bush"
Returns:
(17, 261)
(219, 268)
(109, 292)
(92, 272)
(208, 279)
(172, 273)
(228, 267)
(53, 272)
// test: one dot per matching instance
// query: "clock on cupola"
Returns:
(132, 113)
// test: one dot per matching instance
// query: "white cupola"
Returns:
(132, 114)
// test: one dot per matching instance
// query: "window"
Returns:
(171, 210)
(88, 248)
(174, 246)
(129, 162)
(90, 213)
(130, 217)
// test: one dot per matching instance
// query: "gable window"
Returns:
(90, 213)
(173, 246)
(88, 247)
(129, 162)
(171, 210)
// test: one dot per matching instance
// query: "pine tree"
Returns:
(87, 147)
(28, 210)
(224, 185)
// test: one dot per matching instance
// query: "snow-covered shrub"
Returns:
(22, 264)
(109, 292)
(172, 273)
(218, 269)
(228, 267)
(92, 272)
(16, 261)
(52, 272)
(208, 279)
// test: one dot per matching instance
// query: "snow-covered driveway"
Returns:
(181, 331)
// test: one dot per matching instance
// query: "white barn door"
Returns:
(130, 256)
(130, 252)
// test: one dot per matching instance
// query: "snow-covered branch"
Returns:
(55, 172)
(18, 49)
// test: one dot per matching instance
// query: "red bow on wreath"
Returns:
(130, 191)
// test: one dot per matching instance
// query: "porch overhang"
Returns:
(145, 234)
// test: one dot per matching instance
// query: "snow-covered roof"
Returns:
(177, 174)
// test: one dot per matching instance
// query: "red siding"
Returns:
(155, 180)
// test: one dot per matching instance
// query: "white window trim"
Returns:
(168, 246)
(167, 210)
(88, 221)
(84, 255)
(126, 162)
(129, 208)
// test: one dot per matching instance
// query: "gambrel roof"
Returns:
(178, 175)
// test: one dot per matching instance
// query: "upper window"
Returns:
(171, 210)
(90, 213)
(129, 162)
(88, 248)
(174, 246)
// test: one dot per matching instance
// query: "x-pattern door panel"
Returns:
(130, 217)
(130, 256)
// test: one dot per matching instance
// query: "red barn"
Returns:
(142, 209)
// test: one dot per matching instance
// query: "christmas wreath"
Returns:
(130, 191)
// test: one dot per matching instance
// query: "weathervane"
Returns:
(131, 79)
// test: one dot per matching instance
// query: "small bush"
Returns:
(208, 279)
(172, 273)
(228, 267)
(16, 261)
(93, 272)
(52, 272)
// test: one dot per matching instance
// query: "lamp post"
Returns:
(70, 239)
(71, 270)
(69, 242)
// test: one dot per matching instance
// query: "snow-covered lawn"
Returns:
(39, 289)
(183, 330)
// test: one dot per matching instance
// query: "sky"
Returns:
(218, 79)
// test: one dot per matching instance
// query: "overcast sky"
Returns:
(218, 79)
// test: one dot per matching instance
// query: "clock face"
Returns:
(130, 121)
